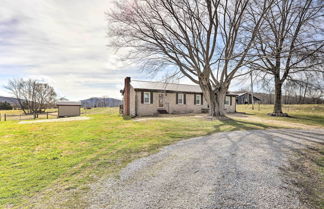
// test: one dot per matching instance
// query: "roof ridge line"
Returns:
(167, 83)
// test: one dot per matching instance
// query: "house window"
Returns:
(227, 100)
(147, 97)
(198, 99)
(180, 98)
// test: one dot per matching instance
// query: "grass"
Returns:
(38, 161)
(308, 114)
(11, 112)
(306, 171)
(20, 112)
(19, 115)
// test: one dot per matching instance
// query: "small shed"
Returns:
(68, 109)
(246, 98)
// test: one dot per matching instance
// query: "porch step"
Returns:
(162, 111)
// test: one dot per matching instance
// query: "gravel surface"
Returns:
(55, 120)
(240, 169)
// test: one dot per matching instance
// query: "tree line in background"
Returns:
(212, 42)
(288, 99)
(32, 95)
(308, 89)
(5, 106)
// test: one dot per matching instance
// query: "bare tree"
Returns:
(45, 96)
(288, 42)
(206, 40)
(268, 87)
(306, 89)
(32, 96)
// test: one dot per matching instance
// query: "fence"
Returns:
(46, 115)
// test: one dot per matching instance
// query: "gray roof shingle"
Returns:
(152, 85)
(162, 86)
(68, 103)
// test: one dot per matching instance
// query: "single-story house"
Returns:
(145, 98)
(244, 97)
(68, 108)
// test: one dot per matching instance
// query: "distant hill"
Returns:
(101, 102)
(11, 100)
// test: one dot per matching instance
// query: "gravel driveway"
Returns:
(240, 169)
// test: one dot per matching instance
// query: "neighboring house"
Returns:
(144, 98)
(244, 97)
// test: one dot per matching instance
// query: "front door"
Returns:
(161, 100)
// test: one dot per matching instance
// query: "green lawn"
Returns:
(53, 158)
(309, 114)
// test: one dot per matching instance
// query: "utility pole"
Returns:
(252, 99)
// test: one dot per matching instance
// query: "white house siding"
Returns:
(133, 105)
(170, 105)
(189, 107)
(231, 108)
(132, 101)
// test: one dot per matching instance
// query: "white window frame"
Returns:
(149, 97)
(182, 98)
(198, 96)
(227, 100)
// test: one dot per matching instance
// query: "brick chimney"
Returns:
(127, 96)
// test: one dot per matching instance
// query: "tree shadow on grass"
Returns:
(312, 119)
(236, 125)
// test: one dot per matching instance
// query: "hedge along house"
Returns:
(146, 98)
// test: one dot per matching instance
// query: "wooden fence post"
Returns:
(0, 116)
(47, 115)
(5, 117)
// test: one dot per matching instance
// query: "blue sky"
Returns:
(62, 42)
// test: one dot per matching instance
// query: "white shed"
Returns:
(68, 108)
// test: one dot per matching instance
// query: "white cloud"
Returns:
(62, 42)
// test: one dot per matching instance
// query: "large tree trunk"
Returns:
(220, 107)
(215, 99)
(277, 110)
(277, 106)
